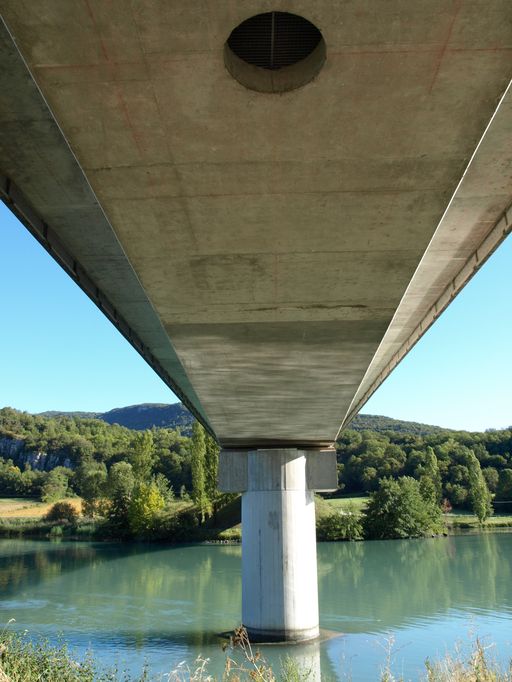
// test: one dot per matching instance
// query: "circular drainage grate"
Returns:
(274, 52)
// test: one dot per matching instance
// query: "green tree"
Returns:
(504, 489)
(145, 506)
(479, 496)
(119, 488)
(163, 486)
(211, 465)
(56, 485)
(430, 480)
(197, 463)
(492, 478)
(142, 456)
(398, 510)
(90, 479)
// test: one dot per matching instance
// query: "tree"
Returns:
(119, 488)
(56, 485)
(90, 478)
(142, 456)
(398, 510)
(492, 478)
(145, 506)
(479, 496)
(211, 469)
(197, 463)
(504, 489)
(430, 480)
(456, 494)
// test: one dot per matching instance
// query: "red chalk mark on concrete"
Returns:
(120, 99)
(95, 24)
(443, 50)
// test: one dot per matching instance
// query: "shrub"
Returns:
(62, 511)
(181, 526)
(341, 525)
(446, 506)
(56, 532)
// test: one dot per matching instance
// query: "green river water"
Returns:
(136, 603)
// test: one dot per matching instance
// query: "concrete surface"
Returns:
(270, 255)
(279, 576)
(321, 471)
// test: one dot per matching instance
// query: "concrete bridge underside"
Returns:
(272, 256)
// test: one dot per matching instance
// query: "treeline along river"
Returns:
(133, 603)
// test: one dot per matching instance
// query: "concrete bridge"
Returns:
(272, 202)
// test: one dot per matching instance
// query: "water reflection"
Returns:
(377, 586)
(166, 604)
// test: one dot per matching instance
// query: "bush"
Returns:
(341, 525)
(56, 532)
(181, 526)
(25, 660)
(398, 510)
(62, 511)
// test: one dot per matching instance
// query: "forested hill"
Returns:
(138, 417)
(35, 449)
(372, 422)
(148, 415)
(145, 416)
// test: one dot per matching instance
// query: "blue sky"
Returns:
(58, 352)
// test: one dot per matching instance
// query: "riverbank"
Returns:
(25, 518)
(454, 521)
(180, 523)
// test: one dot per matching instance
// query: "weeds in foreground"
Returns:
(22, 660)
(480, 667)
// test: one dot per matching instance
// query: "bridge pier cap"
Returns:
(279, 573)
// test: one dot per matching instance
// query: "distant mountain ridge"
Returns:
(373, 422)
(138, 417)
(176, 415)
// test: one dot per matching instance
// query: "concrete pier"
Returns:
(279, 575)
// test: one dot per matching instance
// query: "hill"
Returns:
(372, 422)
(147, 415)
(53, 414)
(138, 417)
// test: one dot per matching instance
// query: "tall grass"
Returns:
(24, 660)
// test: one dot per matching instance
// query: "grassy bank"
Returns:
(25, 518)
(21, 517)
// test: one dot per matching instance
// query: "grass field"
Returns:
(463, 518)
(356, 503)
(23, 508)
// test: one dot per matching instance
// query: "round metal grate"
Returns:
(274, 40)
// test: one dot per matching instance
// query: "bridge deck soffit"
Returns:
(273, 255)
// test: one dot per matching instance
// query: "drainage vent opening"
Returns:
(274, 52)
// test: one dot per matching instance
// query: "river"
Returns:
(136, 603)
